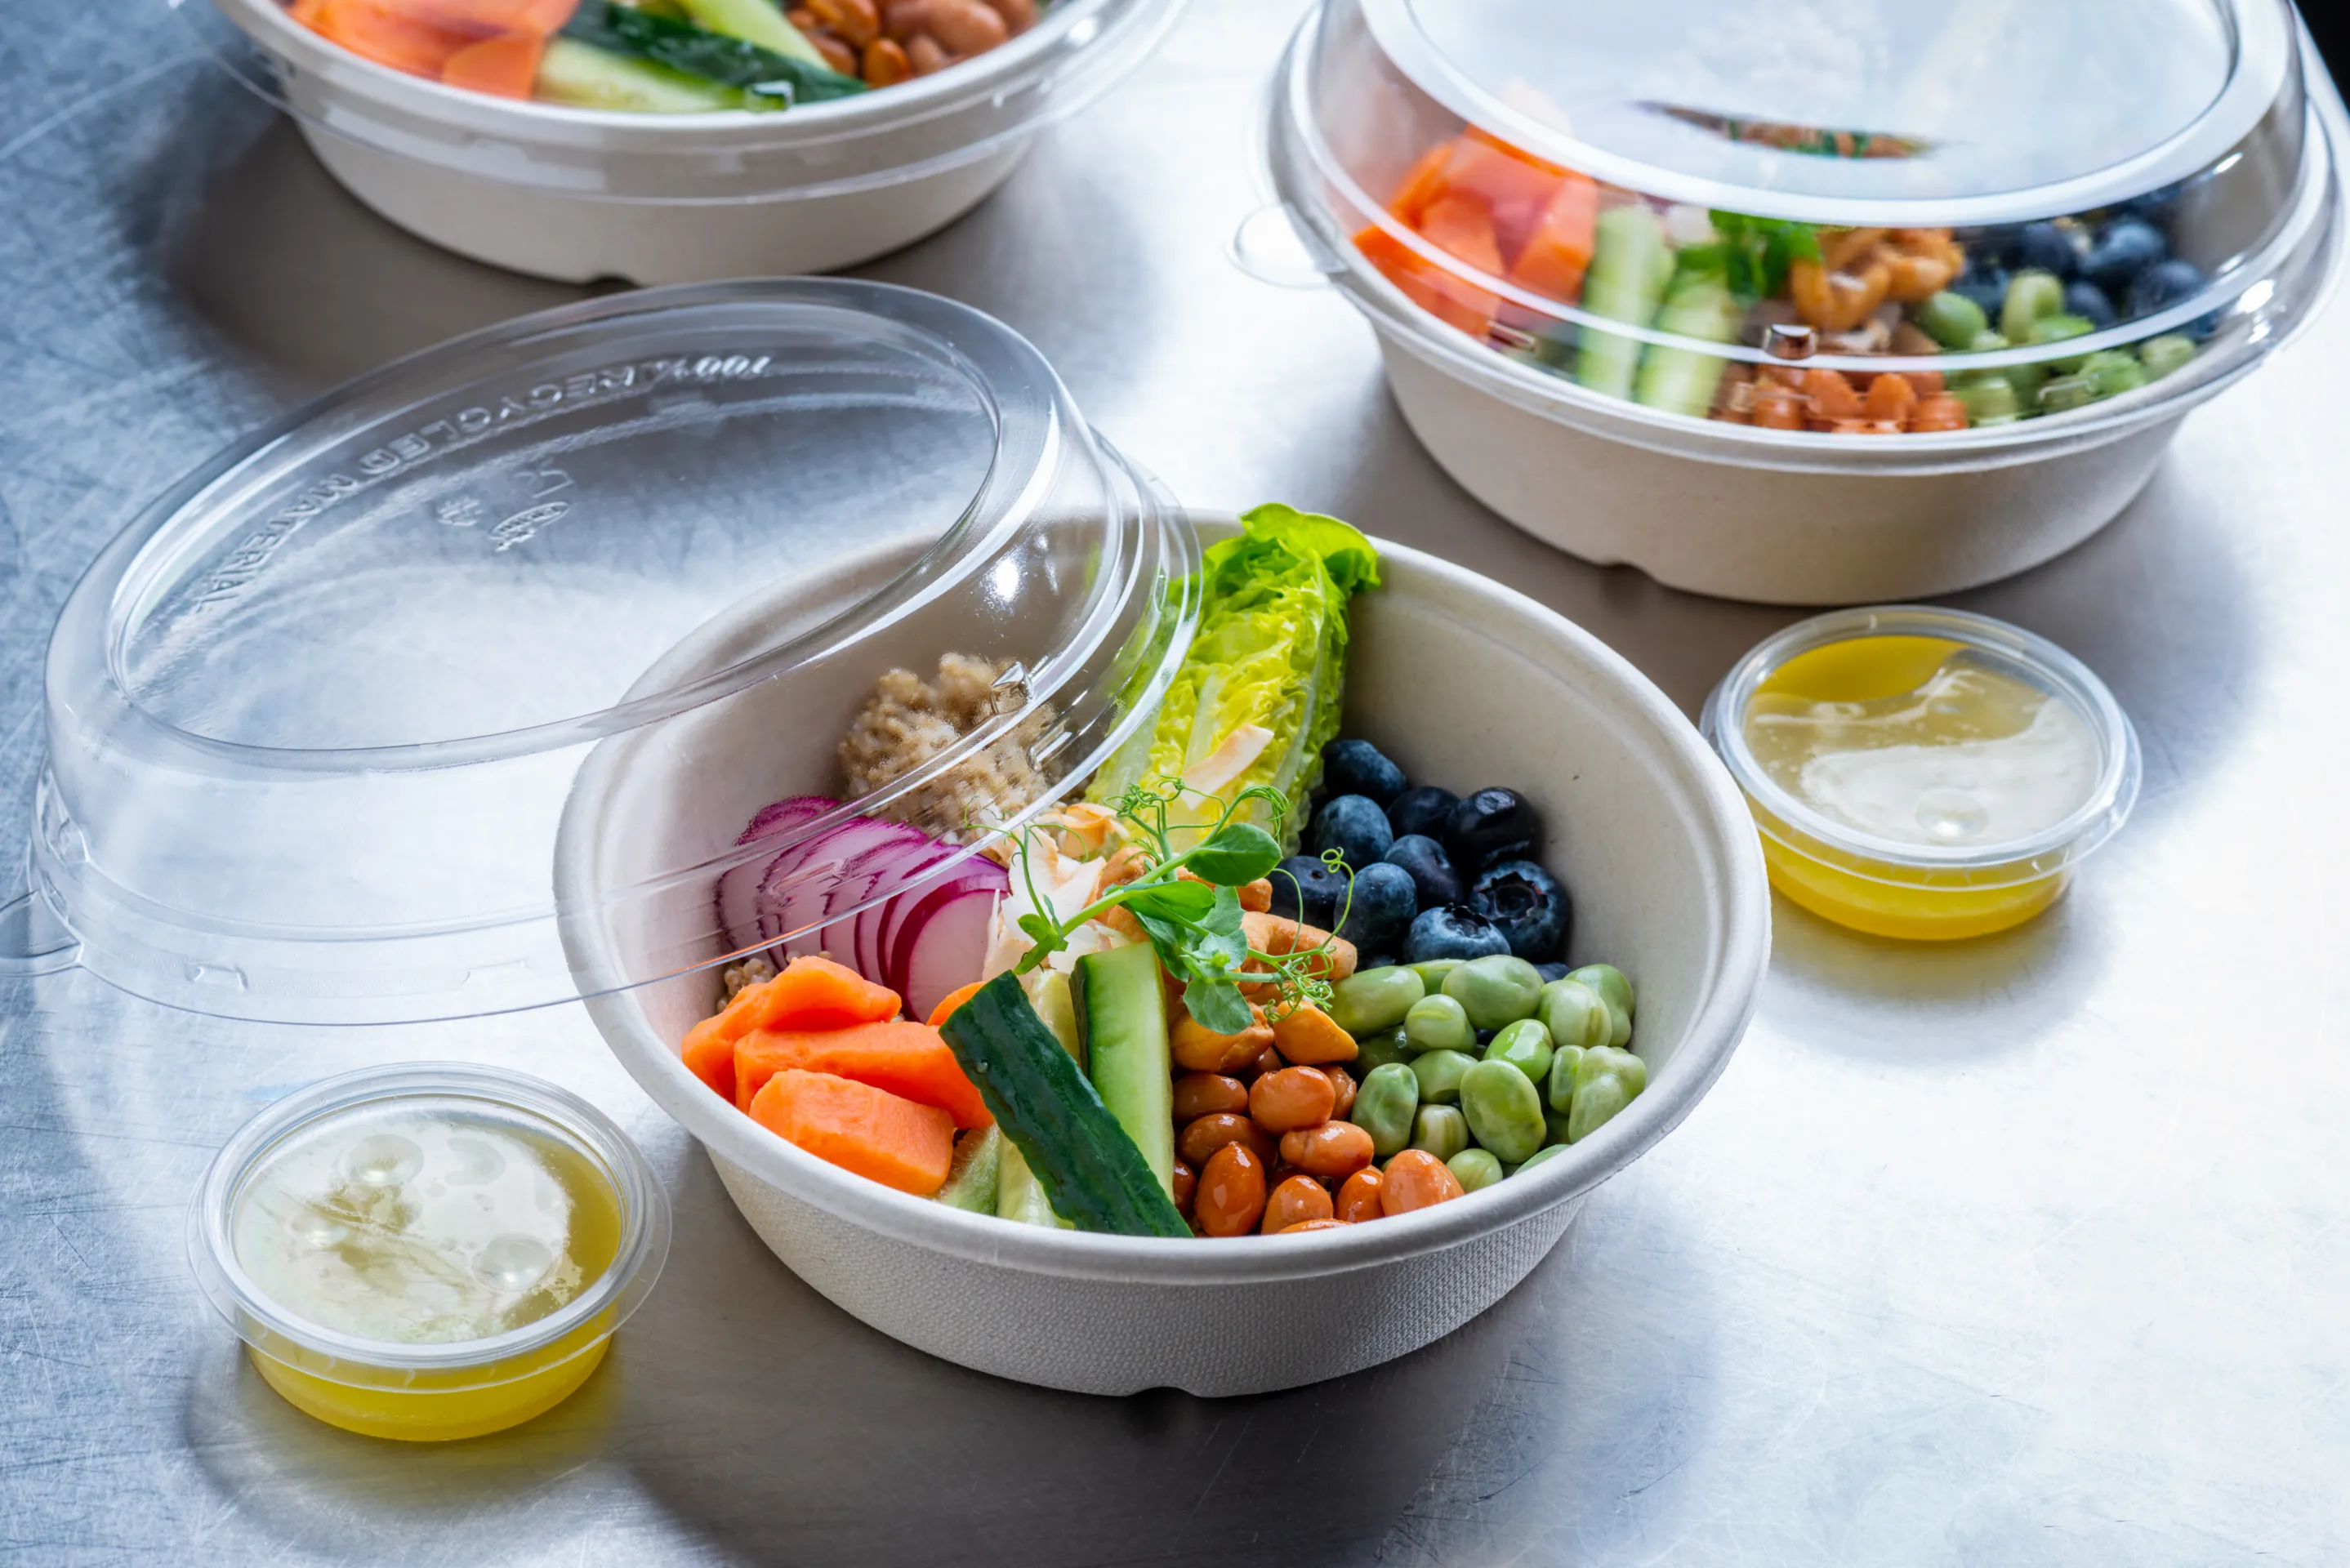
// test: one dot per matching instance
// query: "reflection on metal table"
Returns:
(2034, 1249)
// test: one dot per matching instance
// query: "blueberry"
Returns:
(1425, 811)
(1527, 906)
(2049, 248)
(1491, 825)
(1354, 826)
(1306, 890)
(2163, 284)
(1985, 283)
(1453, 931)
(2088, 301)
(2127, 249)
(1431, 869)
(2155, 206)
(1357, 767)
(1551, 972)
(1382, 910)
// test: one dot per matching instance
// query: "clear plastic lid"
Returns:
(1861, 218)
(595, 99)
(314, 717)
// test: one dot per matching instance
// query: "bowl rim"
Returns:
(1717, 1023)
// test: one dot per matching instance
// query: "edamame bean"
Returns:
(1503, 1110)
(1440, 1073)
(1615, 990)
(1378, 1050)
(1496, 989)
(1442, 1130)
(1524, 1045)
(1474, 1168)
(1539, 1156)
(1431, 972)
(1560, 1090)
(1438, 1024)
(1384, 1106)
(1575, 1015)
(1606, 1081)
(1371, 1000)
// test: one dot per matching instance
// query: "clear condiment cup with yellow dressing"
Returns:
(1921, 772)
(430, 1251)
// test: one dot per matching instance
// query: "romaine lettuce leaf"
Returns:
(1271, 653)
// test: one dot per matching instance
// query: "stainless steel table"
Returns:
(2029, 1249)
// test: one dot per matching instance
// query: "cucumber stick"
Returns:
(972, 1181)
(1630, 263)
(1048, 993)
(1017, 1195)
(1090, 1170)
(759, 22)
(586, 76)
(1122, 1013)
(1698, 304)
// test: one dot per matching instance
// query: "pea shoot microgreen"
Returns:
(1194, 922)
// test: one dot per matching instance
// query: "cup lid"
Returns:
(1685, 206)
(314, 717)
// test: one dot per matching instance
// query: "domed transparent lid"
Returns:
(1982, 214)
(314, 718)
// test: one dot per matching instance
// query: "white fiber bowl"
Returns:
(1465, 683)
(580, 194)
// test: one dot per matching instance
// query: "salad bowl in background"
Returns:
(1464, 683)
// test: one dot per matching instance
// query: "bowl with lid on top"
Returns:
(664, 142)
(1811, 308)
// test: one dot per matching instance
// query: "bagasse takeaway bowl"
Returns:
(580, 194)
(1465, 683)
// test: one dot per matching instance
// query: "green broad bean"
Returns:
(1440, 1073)
(1540, 1154)
(1555, 1124)
(1614, 989)
(2032, 296)
(2165, 355)
(1503, 1111)
(1524, 1045)
(1375, 999)
(1990, 402)
(1384, 1106)
(1475, 1169)
(1438, 1024)
(2066, 393)
(1431, 972)
(1575, 1014)
(1560, 1090)
(1952, 319)
(1606, 1081)
(1379, 1048)
(1442, 1130)
(1497, 991)
(2112, 373)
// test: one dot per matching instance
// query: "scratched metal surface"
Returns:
(2031, 1251)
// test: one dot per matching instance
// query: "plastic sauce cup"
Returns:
(1893, 886)
(433, 1388)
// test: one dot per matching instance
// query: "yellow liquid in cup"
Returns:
(1917, 739)
(411, 1225)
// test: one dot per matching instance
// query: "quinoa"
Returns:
(908, 721)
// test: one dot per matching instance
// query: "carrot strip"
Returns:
(860, 1128)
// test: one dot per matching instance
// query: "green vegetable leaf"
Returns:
(1175, 902)
(1236, 855)
(1759, 251)
(768, 78)
(1218, 1004)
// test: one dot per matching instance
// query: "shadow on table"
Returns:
(785, 1431)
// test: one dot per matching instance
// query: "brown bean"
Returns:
(1294, 1203)
(902, 19)
(1269, 1062)
(1358, 1199)
(858, 21)
(1344, 1083)
(1230, 1196)
(1211, 1132)
(1203, 1093)
(1416, 1179)
(1305, 1033)
(836, 54)
(928, 56)
(966, 27)
(1292, 1098)
(1019, 16)
(1333, 1151)
(886, 63)
(1185, 1182)
(1314, 1225)
(800, 17)
(1199, 1049)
